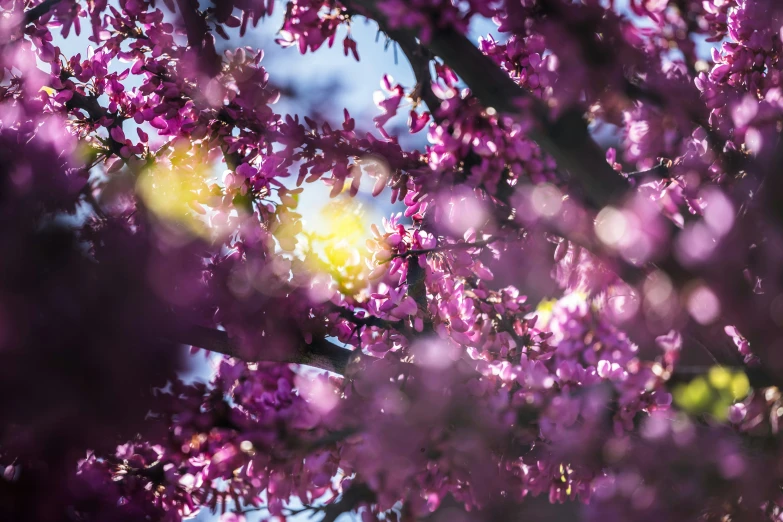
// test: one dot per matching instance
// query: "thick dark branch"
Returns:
(195, 26)
(318, 354)
(89, 104)
(351, 499)
(367, 320)
(31, 15)
(328, 356)
(197, 30)
(566, 139)
(660, 171)
(419, 59)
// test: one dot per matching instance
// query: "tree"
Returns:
(600, 329)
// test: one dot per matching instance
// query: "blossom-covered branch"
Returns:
(565, 137)
(319, 353)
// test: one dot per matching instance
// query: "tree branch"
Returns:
(87, 103)
(326, 355)
(318, 354)
(31, 15)
(351, 498)
(367, 320)
(445, 247)
(419, 59)
(566, 139)
(195, 26)
(197, 31)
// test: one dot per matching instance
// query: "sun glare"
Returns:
(171, 193)
(334, 241)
